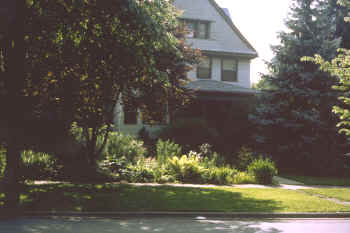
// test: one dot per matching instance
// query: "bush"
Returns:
(219, 175)
(243, 178)
(2, 161)
(244, 157)
(142, 171)
(210, 158)
(165, 179)
(263, 170)
(116, 167)
(141, 175)
(186, 169)
(167, 149)
(190, 133)
(119, 145)
(38, 166)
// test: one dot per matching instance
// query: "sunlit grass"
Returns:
(310, 180)
(114, 197)
(340, 194)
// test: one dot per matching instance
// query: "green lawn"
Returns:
(69, 197)
(340, 194)
(309, 180)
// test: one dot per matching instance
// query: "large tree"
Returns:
(340, 67)
(65, 61)
(294, 119)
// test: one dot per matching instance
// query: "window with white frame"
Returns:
(229, 69)
(204, 68)
(197, 28)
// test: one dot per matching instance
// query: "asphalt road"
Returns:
(173, 225)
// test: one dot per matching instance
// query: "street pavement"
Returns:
(172, 225)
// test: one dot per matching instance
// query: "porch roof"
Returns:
(214, 86)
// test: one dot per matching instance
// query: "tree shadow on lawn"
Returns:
(115, 197)
(169, 198)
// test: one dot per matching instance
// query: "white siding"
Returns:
(222, 37)
(243, 73)
(216, 69)
(153, 130)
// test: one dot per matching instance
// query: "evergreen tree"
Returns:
(340, 67)
(339, 12)
(294, 120)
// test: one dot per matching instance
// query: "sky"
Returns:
(259, 21)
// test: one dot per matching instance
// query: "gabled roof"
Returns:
(227, 12)
(230, 23)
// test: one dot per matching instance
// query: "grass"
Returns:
(114, 197)
(340, 194)
(310, 180)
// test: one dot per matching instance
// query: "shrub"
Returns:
(210, 158)
(263, 170)
(219, 175)
(2, 162)
(215, 161)
(119, 145)
(116, 167)
(141, 175)
(148, 141)
(142, 171)
(165, 179)
(190, 133)
(205, 150)
(244, 157)
(243, 178)
(186, 169)
(167, 149)
(38, 166)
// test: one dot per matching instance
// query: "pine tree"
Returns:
(339, 12)
(340, 67)
(294, 120)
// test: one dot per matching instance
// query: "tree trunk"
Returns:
(11, 179)
(91, 149)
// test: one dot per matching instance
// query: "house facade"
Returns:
(224, 72)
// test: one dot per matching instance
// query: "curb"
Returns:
(188, 214)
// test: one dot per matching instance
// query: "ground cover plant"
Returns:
(116, 197)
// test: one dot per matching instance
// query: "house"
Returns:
(224, 73)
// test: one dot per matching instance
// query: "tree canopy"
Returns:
(294, 120)
(70, 61)
(340, 68)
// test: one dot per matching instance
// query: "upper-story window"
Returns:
(197, 28)
(204, 68)
(229, 69)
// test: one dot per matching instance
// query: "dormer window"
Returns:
(197, 28)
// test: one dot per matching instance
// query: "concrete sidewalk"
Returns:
(283, 183)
